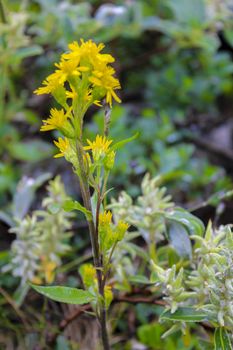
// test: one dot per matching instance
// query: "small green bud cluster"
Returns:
(209, 285)
(214, 275)
(147, 213)
(173, 286)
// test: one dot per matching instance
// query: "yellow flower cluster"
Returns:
(57, 120)
(109, 234)
(46, 271)
(105, 218)
(87, 72)
(100, 149)
(82, 77)
(88, 274)
(63, 145)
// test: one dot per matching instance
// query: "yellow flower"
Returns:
(56, 120)
(36, 280)
(121, 229)
(48, 267)
(102, 77)
(87, 51)
(51, 84)
(71, 94)
(109, 160)
(108, 295)
(99, 147)
(63, 145)
(68, 68)
(88, 274)
(105, 218)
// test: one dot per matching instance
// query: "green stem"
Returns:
(95, 245)
(3, 89)
(152, 251)
(2, 12)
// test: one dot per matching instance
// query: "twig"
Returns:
(139, 299)
(66, 321)
(14, 306)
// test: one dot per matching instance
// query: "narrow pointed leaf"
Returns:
(186, 314)
(123, 142)
(65, 294)
(221, 339)
(70, 205)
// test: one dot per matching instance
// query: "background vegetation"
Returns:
(174, 62)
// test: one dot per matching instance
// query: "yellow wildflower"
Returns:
(36, 280)
(105, 218)
(63, 145)
(50, 84)
(48, 267)
(71, 94)
(108, 295)
(88, 274)
(103, 77)
(68, 68)
(109, 160)
(121, 229)
(100, 143)
(88, 51)
(99, 147)
(67, 151)
(56, 120)
(85, 62)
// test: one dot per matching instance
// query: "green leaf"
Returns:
(179, 239)
(193, 225)
(140, 279)
(65, 294)
(186, 314)
(123, 142)
(70, 205)
(24, 52)
(188, 11)
(31, 151)
(25, 193)
(221, 339)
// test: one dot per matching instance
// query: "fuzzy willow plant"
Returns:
(83, 77)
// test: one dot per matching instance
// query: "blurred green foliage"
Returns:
(174, 61)
(168, 56)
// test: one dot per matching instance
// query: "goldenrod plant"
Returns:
(83, 77)
(192, 277)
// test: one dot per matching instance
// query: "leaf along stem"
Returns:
(93, 230)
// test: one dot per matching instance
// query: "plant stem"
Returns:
(103, 325)
(2, 12)
(93, 230)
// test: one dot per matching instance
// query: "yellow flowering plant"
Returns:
(83, 77)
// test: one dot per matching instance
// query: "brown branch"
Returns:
(139, 299)
(117, 299)
(13, 304)
(66, 321)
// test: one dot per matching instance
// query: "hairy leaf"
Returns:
(193, 225)
(221, 339)
(186, 314)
